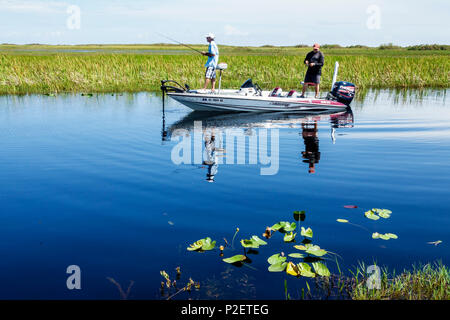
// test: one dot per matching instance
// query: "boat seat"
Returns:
(292, 94)
(276, 92)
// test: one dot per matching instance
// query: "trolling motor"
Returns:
(341, 91)
(172, 88)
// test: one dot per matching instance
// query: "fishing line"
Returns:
(179, 43)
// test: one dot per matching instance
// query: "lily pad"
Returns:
(321, 269)
(305, 270)
(289, 237)
(249, 243)
(284, 226)
(277, 267)
(292, 269)
(307, 232)
(276, 258)
(317, 252)
(236, 258)
(371, 215)
(202, 244)
(342, 220)
(375, 235)
(296, 255)
(385, 236)
(376, 213)
(312, 249)
(384, 213)
(299, 215)
(303, 247)
(197, 245)
(208, 244)
(254, 242)
(288, 227)
(258, 240)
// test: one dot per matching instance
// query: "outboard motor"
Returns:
(343, 92)
(276, 92)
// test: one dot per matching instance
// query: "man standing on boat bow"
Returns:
(314, 60)
(211, 64)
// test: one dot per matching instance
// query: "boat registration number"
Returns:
(212, 99)
(280, 104)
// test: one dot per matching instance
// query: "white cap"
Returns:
(210, 35)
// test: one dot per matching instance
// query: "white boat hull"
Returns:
(264, 103)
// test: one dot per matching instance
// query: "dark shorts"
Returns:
(312, 78)
(210, 73)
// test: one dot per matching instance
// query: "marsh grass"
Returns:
(423, 282)
(49, 72)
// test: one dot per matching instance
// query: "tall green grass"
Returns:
(54, 73)
(423, 282)
(426, 282)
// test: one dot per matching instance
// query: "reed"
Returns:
(425, 282)
(50, 72)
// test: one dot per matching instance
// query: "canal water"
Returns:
(120, 185)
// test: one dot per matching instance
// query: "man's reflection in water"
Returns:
(210, 157)
(311, 140)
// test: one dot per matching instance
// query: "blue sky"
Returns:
(235, 22)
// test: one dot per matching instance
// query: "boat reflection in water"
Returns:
(212, 126)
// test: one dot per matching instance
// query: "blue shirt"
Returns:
(212, 61)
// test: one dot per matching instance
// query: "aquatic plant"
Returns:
(312, 249)
(289, 237)
(172, 285)
(299, 215)
(375, 213)
(307, 232)
(296, 255)
(253, 242)
(277, 263)
(284, 226)
(321, 269)
(235, 259)
(301, 269)
(267, 233)
(385, 236)
(435, 242)
(234, 236)
(353, 224)
(123, 295)
(423, 282)
(312, 265)
(205, 244)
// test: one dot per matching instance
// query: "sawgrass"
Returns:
(427, 282)
(132, 68)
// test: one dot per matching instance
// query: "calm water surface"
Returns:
(91, 181)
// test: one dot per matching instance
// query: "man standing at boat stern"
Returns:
(211, 64)
(314, 60)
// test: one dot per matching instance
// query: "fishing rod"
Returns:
(180, 43)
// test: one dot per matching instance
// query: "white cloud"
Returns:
(232, 31)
